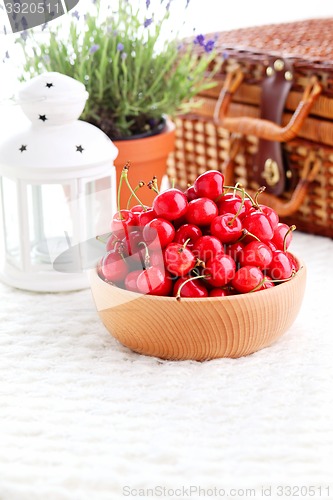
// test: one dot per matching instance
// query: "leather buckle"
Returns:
(271, 172)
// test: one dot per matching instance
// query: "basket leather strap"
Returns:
(269, 165)
(311, 167)
(266, 129)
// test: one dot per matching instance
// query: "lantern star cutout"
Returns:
(79, 149)
(43, 118)
(49, 85)
(23, 148)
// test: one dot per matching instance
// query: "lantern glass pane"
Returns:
(98, 206)
(11, 220)
(51, 210)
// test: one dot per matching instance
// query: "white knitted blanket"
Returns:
(82, 417)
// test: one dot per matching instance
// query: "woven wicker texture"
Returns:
(202, 144)
(309, 40)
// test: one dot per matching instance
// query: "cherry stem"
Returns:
(133, 194)
(247, 233)
(290, 230)
(155, 184)
(187, 281)
(258, 193)
(286, 279)
(235, 188)
(104, 237)
(146, 261)
(125, 170)
(152, 186)
(230, 223)
(200, 263)
(237, 185)
(186, 242)
(122, 177)
(257, 287)
(272, 281)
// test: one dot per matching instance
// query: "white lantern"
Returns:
(57, 185)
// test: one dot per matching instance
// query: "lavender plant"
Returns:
(134, 73)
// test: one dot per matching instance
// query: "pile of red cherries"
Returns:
(210, 241)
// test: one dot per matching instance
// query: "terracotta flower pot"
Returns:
(148, 157)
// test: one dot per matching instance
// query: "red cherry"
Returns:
(257, 223)
(280, 232)
(120, 246)
(247, 278)
(227, 228)
(190, 193)
(257, 254)
(271, 215)
(188, 232)
(146, 256)
(123, 220)
(139, 208)
(294, 261)
(130, 282)
(268, 283)
(207, 247)
(281, 267)
(201, 211)
(235, 250)
(219, 292)
(114, 267)
(158, 232)
(99, 269)
(170, 204)
(230, 204)
(113, 238)
(131, 243)
(209, 184)
(271, 245)
(179, 260)
(191, 288)
(154, 281)
(145, 217)
(220, 270)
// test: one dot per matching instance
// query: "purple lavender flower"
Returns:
(187, 3)
(148, 22)
(76, 14)
(123, 56)
(200, 40)
(93, 48)
(120, 47)
(147, 3)
(24, 35)
(209, 45)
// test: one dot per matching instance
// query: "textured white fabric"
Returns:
(81, 416)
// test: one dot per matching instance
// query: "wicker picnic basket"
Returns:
(268, 121)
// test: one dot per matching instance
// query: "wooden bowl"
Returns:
(198, 329)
